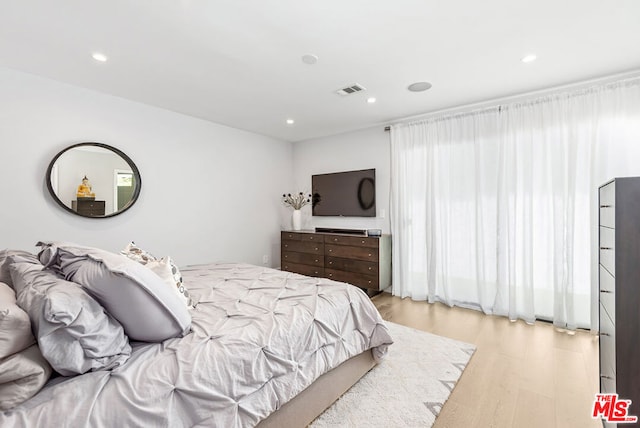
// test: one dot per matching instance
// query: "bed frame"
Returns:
(302, 409)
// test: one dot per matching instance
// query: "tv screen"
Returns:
(347, 194)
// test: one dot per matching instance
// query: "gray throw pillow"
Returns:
(22, 375)
(15, 327)
(23, 370)
(73, 331)
(139, 299)
(9, 256)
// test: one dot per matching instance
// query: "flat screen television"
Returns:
(345, 194)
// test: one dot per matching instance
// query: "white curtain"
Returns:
(497, 209)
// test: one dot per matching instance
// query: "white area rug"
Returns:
(408, 388)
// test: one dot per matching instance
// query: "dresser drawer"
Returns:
(608, 194)
(348, 252)
(607, 205)
(311, 237)
(290, 236)
(607, 343)
(303, 247)
(607, 383)
(350, 265)
(352, 240)
(303, 258)
(607, 216)
(303, 269)
(357, 279)
(607, 249)
(607, 292)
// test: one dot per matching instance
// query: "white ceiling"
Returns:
(238, 62)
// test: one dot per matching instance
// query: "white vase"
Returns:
(296, 219)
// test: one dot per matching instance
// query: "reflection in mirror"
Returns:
(93, 180)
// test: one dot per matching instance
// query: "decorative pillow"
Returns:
(165, 268)
(23, 370)
(22, 375)
(137, 254)
(74, 332)
(15, 327)
(7, 257)
(148, 310)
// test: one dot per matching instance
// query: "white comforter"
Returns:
(259, 337)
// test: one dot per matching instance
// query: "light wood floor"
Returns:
(520, 375)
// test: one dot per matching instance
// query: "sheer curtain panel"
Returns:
(497, 209)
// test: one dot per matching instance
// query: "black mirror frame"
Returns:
(126, 158)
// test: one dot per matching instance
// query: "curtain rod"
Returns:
(497, 103)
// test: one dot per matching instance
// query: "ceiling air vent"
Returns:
(351, 89)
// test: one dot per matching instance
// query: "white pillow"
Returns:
(165, 268)
(148, 310)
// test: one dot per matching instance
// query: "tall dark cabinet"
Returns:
(619, 279)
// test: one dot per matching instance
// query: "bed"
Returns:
(263, 348)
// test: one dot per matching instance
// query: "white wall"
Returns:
(209, 192)
(369, 148)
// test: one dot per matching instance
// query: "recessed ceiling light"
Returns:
(371, 100)
(310, 59)
(529, 58)
(419, 86)
(99, 57)
(290, 121)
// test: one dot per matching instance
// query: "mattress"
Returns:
(259, 337)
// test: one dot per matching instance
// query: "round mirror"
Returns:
(93, 180)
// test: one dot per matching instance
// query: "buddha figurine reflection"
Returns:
(84, 189)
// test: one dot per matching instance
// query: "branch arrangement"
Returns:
(296, 201)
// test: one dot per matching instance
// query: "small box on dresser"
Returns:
(359, 260)
(89, 208)
(619, 290)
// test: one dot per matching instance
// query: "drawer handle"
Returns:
(286, 267)
(330, 274)
(330, 250)
(316, 260)
(316, 272)
(363, 242)
(335, 239)
(369, 254)
(606, 206)
(285, 245)
(369, 282)
(606, 248)
(311, 238)
(605, 334)
(606, 377)
(606, 291)
(286, 257)
(330, 263)
(369, 267)
(316, 248)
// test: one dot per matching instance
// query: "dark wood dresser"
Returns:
(88, 208)
(363, 261)
(619, 294)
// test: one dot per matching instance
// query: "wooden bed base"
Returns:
(302, 409)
